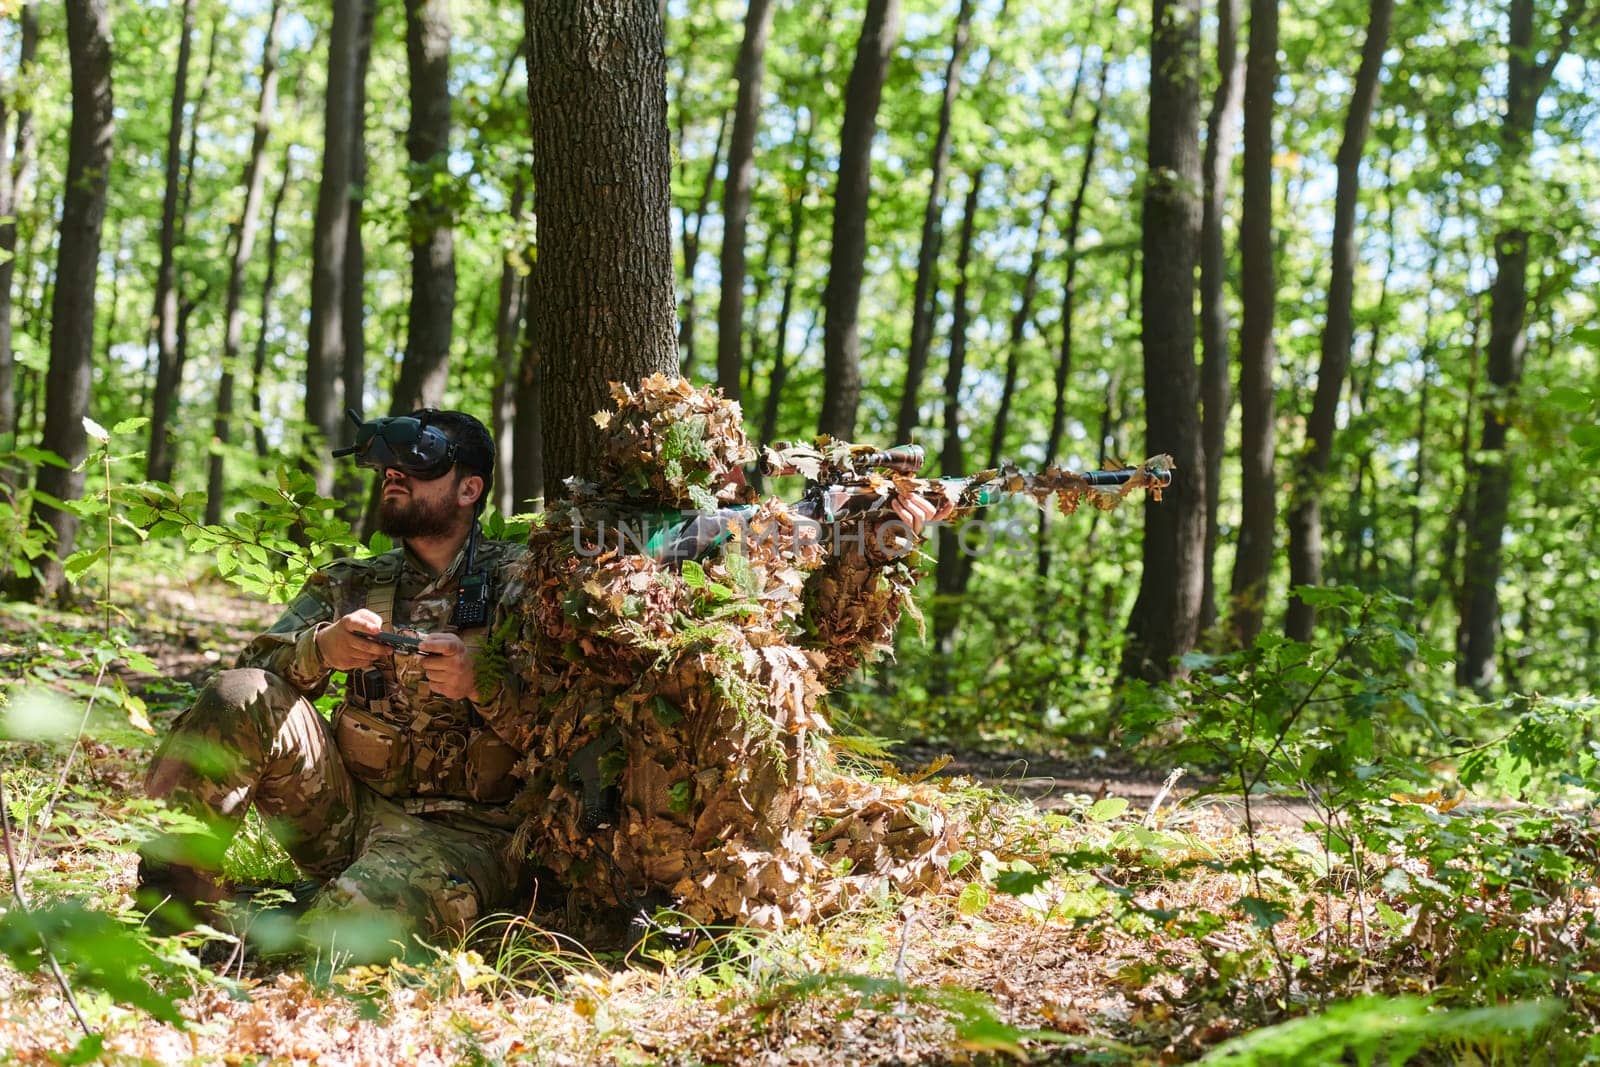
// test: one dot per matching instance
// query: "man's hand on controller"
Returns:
(342, 646)
(450, 670)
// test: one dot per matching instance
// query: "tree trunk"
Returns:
(330, 234)
(736, 195)
(924, 297)
(692, 223)
(83, 212)
(244, 240)
(433, 265)
(349, 478)
(158, 462)
(1257, 356)
(1216, 399)
(603, 293)
(1490, 472)
(258, 366)
(1019, 328)
(1058, 412)
(1166, 615)
(791, 273)
(1305, 520)
(507, 319)
(13, 178)
(950, 574)
(528, 431)
(841, 300)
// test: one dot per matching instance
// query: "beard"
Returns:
(409, 517)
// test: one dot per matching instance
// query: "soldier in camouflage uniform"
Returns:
(398, 805)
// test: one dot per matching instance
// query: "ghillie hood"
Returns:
(671, 445)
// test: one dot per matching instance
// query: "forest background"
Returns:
(1340, 261)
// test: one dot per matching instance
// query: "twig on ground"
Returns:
(900, 979)
(1161, 794)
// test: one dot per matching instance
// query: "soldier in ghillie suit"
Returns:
(665, 675)
(398, 807)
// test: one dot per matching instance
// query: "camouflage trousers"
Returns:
(251, 738)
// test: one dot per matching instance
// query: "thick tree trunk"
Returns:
(330, 234)
(603, 293)
(158, 461)
(13, 179)
(1257, 356)
(258, 365)
(736, 195)
(244, 240)
(507, 334)
(841, 300)
(433, 265)
(1216, 394)
(1166, 615)
(950, 574)
(1058, 412)
(925, 294)
(1490, 471)
(1305, 520)
(689, 325)
(83, 212)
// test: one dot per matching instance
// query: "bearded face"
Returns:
(411, 508)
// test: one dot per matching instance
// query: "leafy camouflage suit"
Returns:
(398, 804)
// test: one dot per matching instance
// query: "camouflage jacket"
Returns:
(393, 734)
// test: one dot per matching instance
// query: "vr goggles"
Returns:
(408, 444)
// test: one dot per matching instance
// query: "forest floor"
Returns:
(1085, 967)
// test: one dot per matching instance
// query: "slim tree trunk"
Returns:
(1019, 328)
(1058, 412)
(258, 366)
(528, 430)
(693, 221)
(951, 570)
(349, 478)
(83, 212)
(603, 293)
(1166, 615)
(791, 274)
(736, 195)
(1490, 471)
(841, 301)
(433, 264)
(158, 462)
(924, 295)
(1216, 397)
(1257, 357)
(244, 240)
(330, 234)
(13, 179)
(507, 334)
(1305, 520)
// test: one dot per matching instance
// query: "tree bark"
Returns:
(924, 296)
(1257, 356)
(258, 366)
(1526, 79)
(603, 293)
(528, 431)
(1216, 395)
(83, 213)
(1058, 412)
(1305, 520)
(1166, 615)
(13, 179)
(158, 461)
(507, 334)
(330, 234)
(244, 240)
(736, 195)
(841, 300)
(950, 573)
(433, 267)
(353, 316)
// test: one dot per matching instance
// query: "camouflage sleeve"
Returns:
(289, 647)
(853, 603)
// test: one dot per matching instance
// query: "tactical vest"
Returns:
(397, 736)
